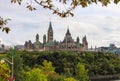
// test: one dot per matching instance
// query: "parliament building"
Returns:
(48, 44)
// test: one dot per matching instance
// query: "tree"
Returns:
(3, 22)
(81, 72)
(69, 79)
(18, 65)
(35, 75)
(4, 71)
(50, 4)
(47, 68)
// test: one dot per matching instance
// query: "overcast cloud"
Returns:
(100, 24)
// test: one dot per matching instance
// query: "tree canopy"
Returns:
(3, 22)
(4, 71)
(35, 75)
(69, 5)
(60, 66)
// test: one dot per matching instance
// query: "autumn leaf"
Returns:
(7, 29)
(116, 1)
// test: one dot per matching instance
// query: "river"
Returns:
(115, 77)
(106, 80)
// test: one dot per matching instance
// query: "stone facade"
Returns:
(68, 44)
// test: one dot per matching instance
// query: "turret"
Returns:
(68, 37)
(26, 45)
(30, 44)
(85, 43)
(50, 33)
(37, 38)
(37, 44)
(77, 40)
(44, 39)
(91, 48)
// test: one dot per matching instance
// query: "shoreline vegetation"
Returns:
(63, 66)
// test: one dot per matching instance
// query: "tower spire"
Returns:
(44, 39)
(50, 32)
(37, 37)
(50, 27)
(68, 32)
(77, 40)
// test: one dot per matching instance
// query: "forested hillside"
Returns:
(98, 63)
(64, 66)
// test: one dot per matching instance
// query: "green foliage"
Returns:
(35, 75)
(81, 72)
(4, 71)
(2, 56)
(18, 64)
(55, 77)
(60, 66)
(97, 63)
(18, 67)
(69, 79)
(47, 68)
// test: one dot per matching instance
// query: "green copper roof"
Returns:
(79, 45)
(50, 43)
(39, 43)
(50, 27)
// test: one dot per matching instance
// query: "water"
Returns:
(106, 80)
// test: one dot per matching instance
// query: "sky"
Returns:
(100, 24)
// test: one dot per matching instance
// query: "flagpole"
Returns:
(12, 62)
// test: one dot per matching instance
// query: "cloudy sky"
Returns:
(100, 24)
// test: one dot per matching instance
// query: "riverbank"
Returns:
(106, 77)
